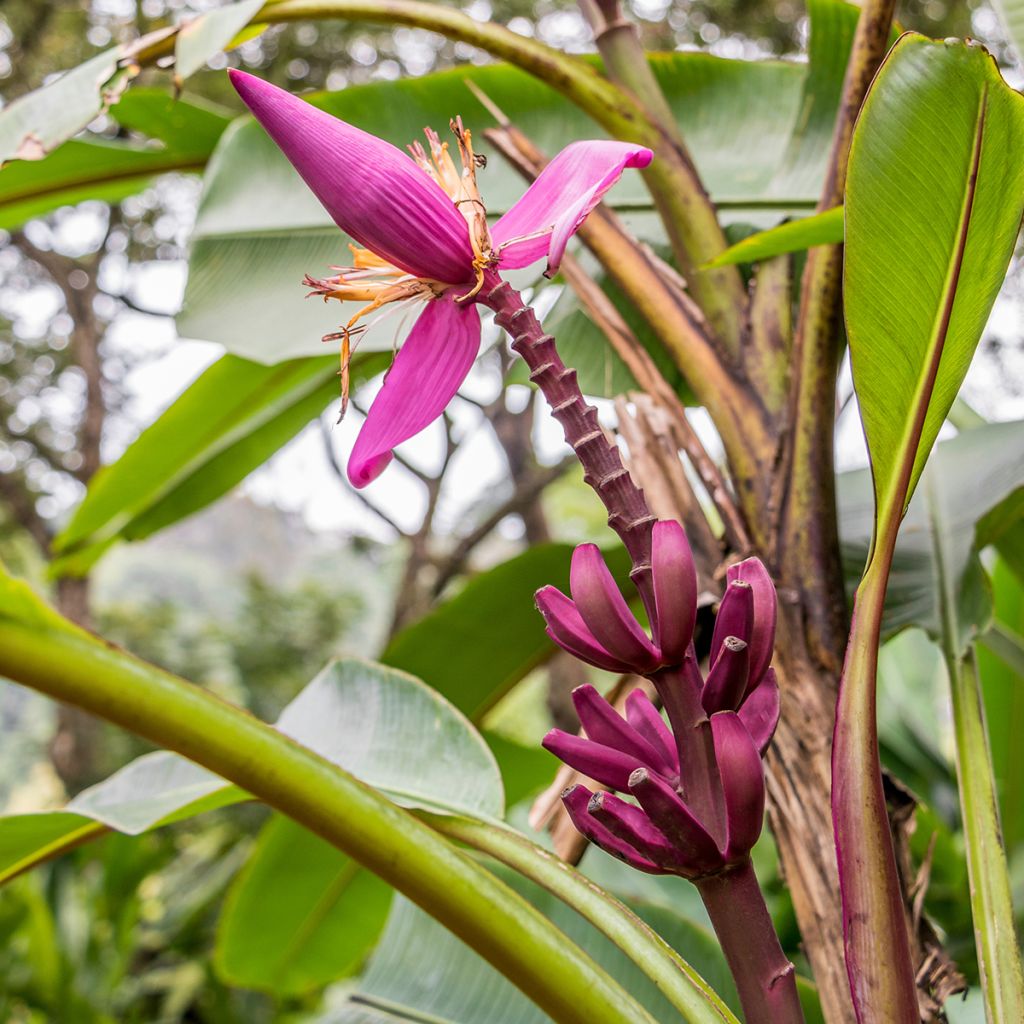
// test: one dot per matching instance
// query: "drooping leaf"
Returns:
(154, 790)
(792, 236)
(225, 425)
(399, 735)
(300, 914)
(68, 663)
(36, 123)
(477, 645)
(111, 170)
(384, 726)
(420, 972)
(208, 34)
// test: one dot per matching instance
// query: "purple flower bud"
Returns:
(675, 590)
(760, 711)
(739, 765)
(576, 800)
(605, 612)
(694, 847)
(603, 764)
(735, 616)
(647, 721)
(567, 628)
(629, 823)
(762, 636)
(603, 724)
(727, 681)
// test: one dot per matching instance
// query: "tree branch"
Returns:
(526, 494)
(339, 472)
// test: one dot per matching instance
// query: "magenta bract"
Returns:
(425, 237)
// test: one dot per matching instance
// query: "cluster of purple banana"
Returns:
(698, 780)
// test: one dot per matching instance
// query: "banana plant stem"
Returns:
(878, 958)
(765, 977)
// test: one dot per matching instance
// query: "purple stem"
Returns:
(699, 781)
(628, 514)
(766, 980)
(764, 977)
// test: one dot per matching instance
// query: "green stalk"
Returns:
(689, 214)
(69, 665)
(1002, 979)
(675, 978)
(995, 936)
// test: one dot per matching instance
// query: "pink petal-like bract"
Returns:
(428, 370)
(604, 724)
(555, 205)
(646, 719)
(603, 764)
(576, 800)
(675, 589)
(374, 191)
(604, 610)
(760, 711)
(567, 628)
(762, 636)
(742, 783)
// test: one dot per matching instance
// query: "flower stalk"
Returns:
(765, 978)
(628, 514)
(699, 786)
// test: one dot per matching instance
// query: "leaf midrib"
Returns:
(317, 914)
